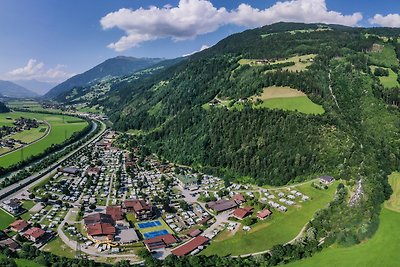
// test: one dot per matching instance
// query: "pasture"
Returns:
(29, 136)
(385, 57)
(62, 128)
(287, 98)
(301, 63)
(381, 250)
(281, 228)
(388, 81)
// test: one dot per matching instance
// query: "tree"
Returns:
(92, 206)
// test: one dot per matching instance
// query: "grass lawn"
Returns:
(381, 250)
(300, 103)
(5, 219)
(58, 247)
(62, 128)
(28, 204)
(282, 227)
(388, 81)
(29, 136)
(385, 58)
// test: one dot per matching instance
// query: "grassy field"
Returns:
(300, 62)
(29, 136)
(62, 128)
(24, 262)
(287, 98)
(31, 105)
(388, 81)
(5, 219)
(381, 250)
(385, 58)
(59, 248)
(394, 202)
(280, 229)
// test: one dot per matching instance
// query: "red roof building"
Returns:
(188, 247)
(34, 234)
(19, 225)
(161, 241)
(93, 171)
(241, 213)
(115, 212)
(239, 198)
(102, 232)
(264, 214)
(98, 218)
(194, 232)
(142, 209)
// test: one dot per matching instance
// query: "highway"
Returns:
(22, 185)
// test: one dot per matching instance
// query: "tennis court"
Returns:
(149, 224)
(155, 233)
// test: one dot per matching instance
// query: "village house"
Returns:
(239, 198)
(262, 215)
(326, 179)
(19, 226)
(34, 234)
(13, 206)
(190, 246)
(241, 213)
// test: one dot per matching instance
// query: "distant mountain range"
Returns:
(113, 67)
(36, 86)
(12, 90)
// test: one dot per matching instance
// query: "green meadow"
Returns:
(62, 128)
(281, 228)
(300, 103)
(381, 250)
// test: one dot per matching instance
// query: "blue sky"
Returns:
(51, 40)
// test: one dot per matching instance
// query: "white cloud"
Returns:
(203, 47)
(390, 20)
(36, 70)
(196, 17)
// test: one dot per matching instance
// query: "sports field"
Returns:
(153, 228)
(62, 128)
(282, 228)
(381, 250)
(287, 98)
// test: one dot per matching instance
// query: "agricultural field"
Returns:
(287, 98)
(29, 136)
(62, 128)
(5, 219)
(281, 228)
(385, 57)
(31, 105)
(301, 63)
(388, 81)
(381, 250)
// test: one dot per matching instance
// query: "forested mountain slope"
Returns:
(270, 146)
(112, 67)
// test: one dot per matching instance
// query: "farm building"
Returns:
(326, 179)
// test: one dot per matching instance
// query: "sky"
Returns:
(51, 40)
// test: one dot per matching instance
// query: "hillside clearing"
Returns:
(387, 81)
(301, 63)
(381, 250)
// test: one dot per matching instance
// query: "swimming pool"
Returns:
(149, 224)
(155, 233)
